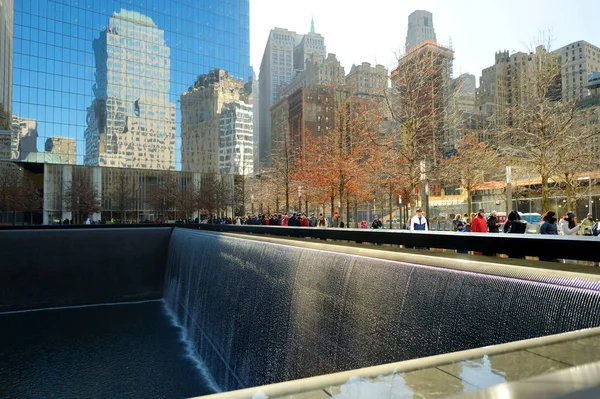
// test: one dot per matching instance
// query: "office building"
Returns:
(578, 60)
(509, 82)
(6, 62)
(285, 55)
(465, 87)
(421, 85)
(365, 81)
(420, 29)
(201, 107)
(131, 122)
(236, 148)
(110, 74)
(24, 138)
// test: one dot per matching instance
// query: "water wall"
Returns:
(260, 312)
(53, 268)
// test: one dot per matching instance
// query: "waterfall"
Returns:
(258, 312)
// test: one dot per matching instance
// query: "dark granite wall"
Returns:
(51, 268)
(260, 312)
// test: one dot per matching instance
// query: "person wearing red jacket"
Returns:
(479, 224)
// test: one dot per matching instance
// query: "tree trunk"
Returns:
(347, 225)
(469, 201)
(287, 196)
(341, 200)
(570, 194)
(332, 208)
(355, 213)
(390, 203)
(545, 194)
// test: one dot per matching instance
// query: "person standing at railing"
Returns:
(419, 222)
(478, 223)
(548, 226)
(457, 219)
(460, 228)
(586, 225)
(321, 222)
(493, 224)
(570, 226)
(376, 223)
(336, 220)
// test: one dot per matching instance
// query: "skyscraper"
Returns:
(420, 29)
(236, 152)
(285, 53)
(62, 67)
(421, 84)
(131, 122)
(578, 60)
(201, 107)
(6, 61)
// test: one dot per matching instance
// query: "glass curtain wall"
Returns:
(107, 75)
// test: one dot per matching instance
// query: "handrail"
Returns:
(514, 245)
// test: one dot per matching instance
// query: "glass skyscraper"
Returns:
(108, 74)
(131, 122)
(6, 58)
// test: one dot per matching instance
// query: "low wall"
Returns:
(261, 312)
(51, 268)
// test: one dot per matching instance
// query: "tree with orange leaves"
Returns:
(344, 148)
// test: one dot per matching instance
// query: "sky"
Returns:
(375, 31)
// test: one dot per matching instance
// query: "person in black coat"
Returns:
(514, 224)
(548, 226)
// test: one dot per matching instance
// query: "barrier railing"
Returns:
(513, 245)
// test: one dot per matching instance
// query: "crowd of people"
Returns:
(550, 223)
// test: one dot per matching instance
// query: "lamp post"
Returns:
(425, 188)
(589, 179)
(508, 189)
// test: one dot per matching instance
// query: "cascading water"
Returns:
(257, 312)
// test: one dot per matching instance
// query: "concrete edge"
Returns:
(535, 274)
(337, 379)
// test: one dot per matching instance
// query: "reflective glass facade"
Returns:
(109, 74)
(6, 58)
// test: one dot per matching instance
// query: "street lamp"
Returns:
(589, 179)
(508, 190)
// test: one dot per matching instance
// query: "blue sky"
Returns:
(375, 31)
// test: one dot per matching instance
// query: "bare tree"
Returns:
(123, 191)
(31, 200)
(215, 194)
(11, 178)
(418, 106)
(163, 198)
(81, 195)
(283, 156)
(469, 166)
